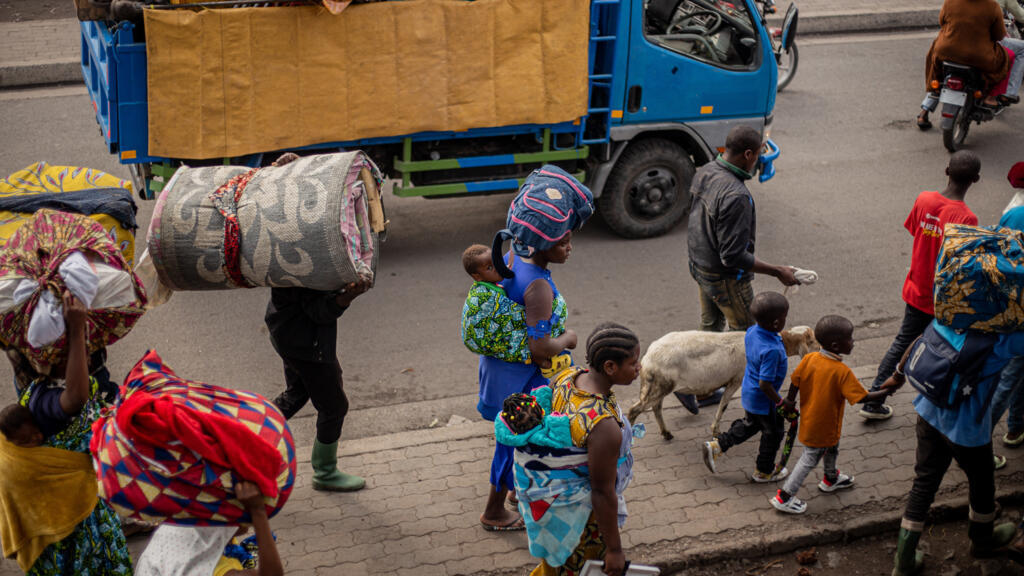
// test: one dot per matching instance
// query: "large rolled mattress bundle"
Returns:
(313, 222)
(49, 254)
(172, 449)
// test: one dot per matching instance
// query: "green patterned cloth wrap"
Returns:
(979, 279)
(495, 325)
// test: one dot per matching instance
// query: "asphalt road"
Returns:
(852, 163)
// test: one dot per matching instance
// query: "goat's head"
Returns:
(799, 341)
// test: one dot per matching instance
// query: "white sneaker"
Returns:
(792, 506)
(762, 478)
(711, 451)
(842, 481)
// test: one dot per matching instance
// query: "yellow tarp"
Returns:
(229, 82)
(41, 178)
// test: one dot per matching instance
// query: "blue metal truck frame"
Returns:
(654, 114)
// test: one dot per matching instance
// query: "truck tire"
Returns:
(648, 191)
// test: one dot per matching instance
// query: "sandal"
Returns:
(512, 500)
(923, 122)
(1008, 99)
(517, 524)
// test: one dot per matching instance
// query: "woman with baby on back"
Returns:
(550, 205)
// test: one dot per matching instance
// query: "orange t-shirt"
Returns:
(824, 383)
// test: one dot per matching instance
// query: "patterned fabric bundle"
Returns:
(313, 222)
(173, 449)
(104, 198)
(35, 252)
(495, 325)
(979, 279)
(550, 204)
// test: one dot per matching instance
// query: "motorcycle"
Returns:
(783, 42)
(962, 95)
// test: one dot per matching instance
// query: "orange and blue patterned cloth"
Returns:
(979, 279)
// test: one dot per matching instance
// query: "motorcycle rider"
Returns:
(969, 35)
(1015, 10)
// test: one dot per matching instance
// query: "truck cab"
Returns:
(667, 80)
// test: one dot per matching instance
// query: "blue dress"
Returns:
(500, 379)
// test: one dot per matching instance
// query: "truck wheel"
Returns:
(648, 191)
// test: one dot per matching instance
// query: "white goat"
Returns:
(696, 362)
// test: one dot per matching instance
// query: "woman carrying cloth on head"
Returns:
(550, 205)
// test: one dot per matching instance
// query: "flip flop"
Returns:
(517, 524)
(512, 500)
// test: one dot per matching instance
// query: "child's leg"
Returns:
(831, 472)
(739, 432)
(808, 460)
(772, 432)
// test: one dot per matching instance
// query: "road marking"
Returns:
(43, 92)
(865, 38)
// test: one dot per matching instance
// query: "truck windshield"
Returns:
(714, 31)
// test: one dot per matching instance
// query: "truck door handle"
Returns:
(633, 99)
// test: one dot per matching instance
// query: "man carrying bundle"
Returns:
(303, 325)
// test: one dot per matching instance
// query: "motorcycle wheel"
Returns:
(953, 138)
(787, 62)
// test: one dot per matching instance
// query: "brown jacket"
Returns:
(971, 30)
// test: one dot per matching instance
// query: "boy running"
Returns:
(766, 369)
(824, 383)
(930, 214)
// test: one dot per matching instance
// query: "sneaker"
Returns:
(761, 478)
(792, 506)
(711, 453)
(689, 401)
(842, 481)
(876, 412)
(1013, 440)
(998, 462)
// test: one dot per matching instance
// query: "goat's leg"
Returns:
(641, 403)
(661, 421)
(730, 389)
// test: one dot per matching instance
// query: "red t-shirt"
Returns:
(930, 214)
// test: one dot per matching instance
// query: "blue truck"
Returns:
(667, 81)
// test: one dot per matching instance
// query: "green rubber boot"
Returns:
(909, 560)
(986, 540)
(326, 476)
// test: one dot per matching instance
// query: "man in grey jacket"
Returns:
(721, 234)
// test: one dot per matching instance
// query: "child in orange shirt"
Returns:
(824, 383)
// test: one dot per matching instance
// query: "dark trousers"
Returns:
(934, 454)
(771, 428)
(914, 323)
(320, 382)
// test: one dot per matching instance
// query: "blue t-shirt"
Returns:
(970, 423)
(1013, 219)
(766, 360)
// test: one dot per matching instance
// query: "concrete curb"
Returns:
(803, 536)
(40, 73)
(867, 21)
(43, 73)
(674, 557)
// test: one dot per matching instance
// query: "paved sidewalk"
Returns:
(47, 51)
(419, 514)
(39, 52)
